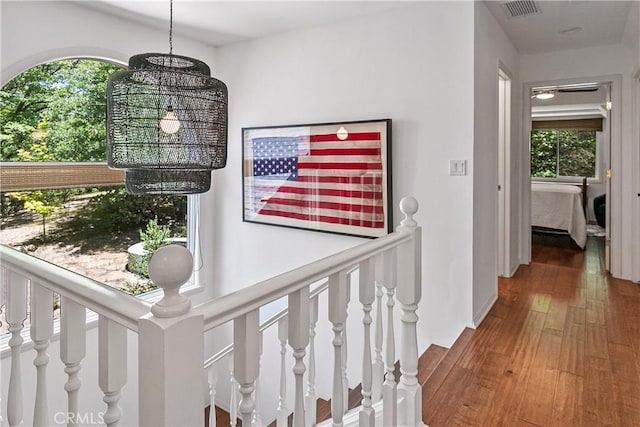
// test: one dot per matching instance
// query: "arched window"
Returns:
(60, 201)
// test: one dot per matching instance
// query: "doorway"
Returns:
(568, 126)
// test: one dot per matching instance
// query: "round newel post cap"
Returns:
(409, 207)
(169, 268)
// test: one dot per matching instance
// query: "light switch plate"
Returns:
(457, 167)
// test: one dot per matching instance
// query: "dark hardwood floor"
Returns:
(561, 347)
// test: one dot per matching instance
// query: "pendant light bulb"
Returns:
(342, 133)
(170, 123)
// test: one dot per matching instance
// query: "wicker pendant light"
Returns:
(166, 181)
(166, 123)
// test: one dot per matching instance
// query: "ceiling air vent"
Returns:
(518, 8)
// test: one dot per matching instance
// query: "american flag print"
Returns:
(318, 178)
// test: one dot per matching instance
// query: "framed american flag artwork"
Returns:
(331, 177)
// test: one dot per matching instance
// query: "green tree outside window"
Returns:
(563, 153)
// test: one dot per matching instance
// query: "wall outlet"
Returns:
(457, 167)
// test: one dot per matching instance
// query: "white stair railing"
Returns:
(379, 264)
(162, 327)
(166, 377)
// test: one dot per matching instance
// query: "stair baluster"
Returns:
(298, 306)
(378, 365)
(367, 294)
(283, 411)
(246, 359)
(72, 351)
(41, 331)
(233, 396)
(337, 316)
(256, 420)
(212, 379)
(409, 294)
(311, 404)
(112, 358)
(16, 315)
(345, 379)
(389, 388)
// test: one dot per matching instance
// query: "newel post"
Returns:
(170, 348)
(409, 292)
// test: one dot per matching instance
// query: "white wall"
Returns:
(33, 32)
(492, 49)
(396, 66)
(593, 62)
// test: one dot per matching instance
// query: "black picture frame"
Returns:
(328, 177)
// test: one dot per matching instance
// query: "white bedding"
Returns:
(559, 206)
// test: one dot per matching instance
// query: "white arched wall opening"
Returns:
(10, 71)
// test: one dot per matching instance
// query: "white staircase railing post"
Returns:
(312, 398)
(246, 358)
(233, 395)
(337, 317)
(170, 348)
(72, 351)
(256, 420)
(345, 354)
(41, 331)
(112, 359)
(390, 387)
(298, 305)
(283, 412)
(367, 295)
(409, 287)
(212, 380)
(378, 365)
(16, 315)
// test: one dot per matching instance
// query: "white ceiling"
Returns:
(218, 22)
(585, 23)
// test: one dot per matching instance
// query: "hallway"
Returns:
(561, 347)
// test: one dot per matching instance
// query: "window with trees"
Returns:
(565, 150)
(53, 115)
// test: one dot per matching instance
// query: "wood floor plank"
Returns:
(441, 373)
(557, 314)
(596, 341)
(599, 406)
(511, 390)
(429, 361)
(568, 404)
(541, 385)
(595, 311)
(481, 391)
(573, 342)
(617, 330)
(626, 383)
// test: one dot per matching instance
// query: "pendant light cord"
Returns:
(170, 27)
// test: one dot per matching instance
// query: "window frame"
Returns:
(599, 161)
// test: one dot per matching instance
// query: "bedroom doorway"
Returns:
(569, 136)
(504, 142)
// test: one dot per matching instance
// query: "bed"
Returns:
(559, 208)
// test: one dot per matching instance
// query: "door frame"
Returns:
(636, 147)
(504, 172)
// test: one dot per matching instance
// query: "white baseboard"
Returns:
(477, 319)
